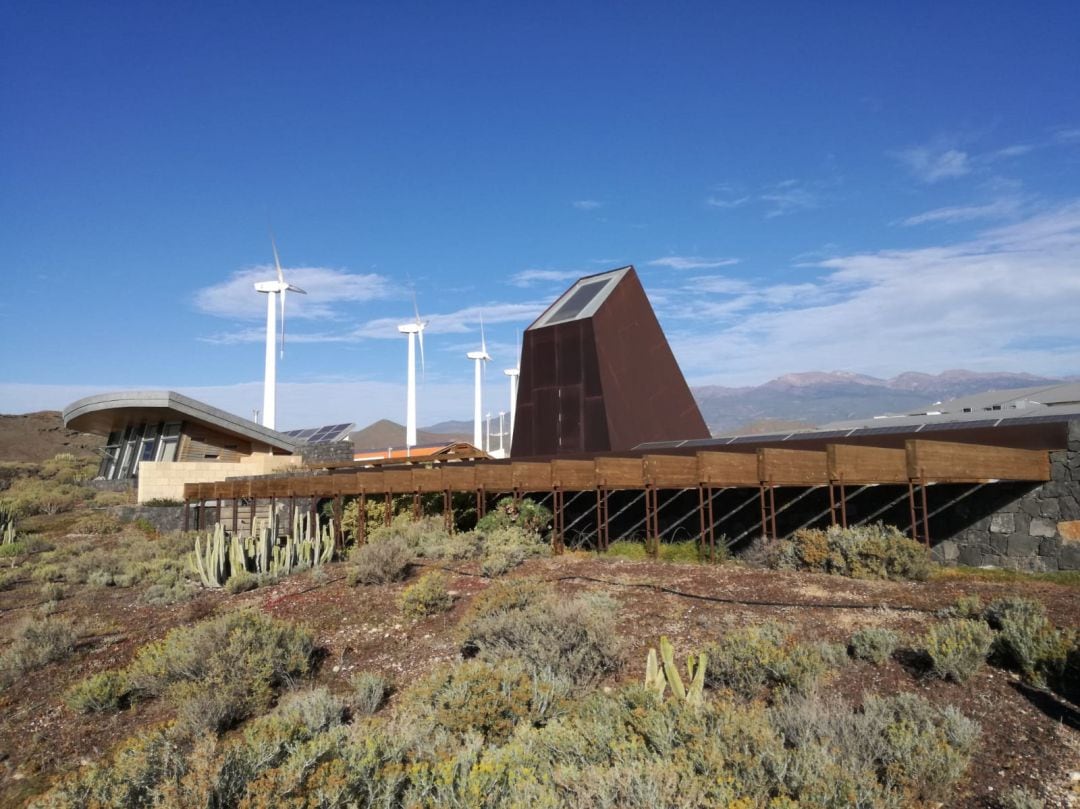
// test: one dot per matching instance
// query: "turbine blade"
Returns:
(423, 367)
(483, 342)
(277, 261)
(282, 322)
(416, 308)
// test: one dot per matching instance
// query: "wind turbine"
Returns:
(414, 329)
(272, 289)
(513, 374)
(480, 357)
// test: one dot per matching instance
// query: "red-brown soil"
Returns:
(1030, 738)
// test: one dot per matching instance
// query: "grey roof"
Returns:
(912, 425)
(582, 299)
(1015, 398)
(89, 413)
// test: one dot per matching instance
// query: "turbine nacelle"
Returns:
(479, 355)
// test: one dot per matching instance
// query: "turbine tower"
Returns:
(480, 357)
(512, 374)
(272, 290)
(414, 329)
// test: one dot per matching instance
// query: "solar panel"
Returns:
(321, 435)
(576, 302)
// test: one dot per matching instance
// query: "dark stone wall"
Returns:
(1019, 525)
(327, 452)
(163, 518)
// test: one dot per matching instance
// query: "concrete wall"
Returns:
(165, 480)
(1020, 526)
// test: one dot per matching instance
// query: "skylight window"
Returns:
(582, 300)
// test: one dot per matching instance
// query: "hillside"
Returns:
(818, 398)
(40, 436)
(385, 433)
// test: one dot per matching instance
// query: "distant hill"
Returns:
(385, 433)
(817, 398)
(40, 436)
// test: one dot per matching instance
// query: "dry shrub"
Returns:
(369, 692)
(380, 562)
(224, 669)
(1026, 641)
(765, 655)
(105, 692)
(428, 596)
(957, 648)
(872, 644)
(37, 643)
(865, 552)
(573, 638)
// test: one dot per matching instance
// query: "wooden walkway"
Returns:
(839, 466)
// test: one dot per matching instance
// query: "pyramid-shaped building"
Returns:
(598, 375)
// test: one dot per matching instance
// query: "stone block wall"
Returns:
(327, 452)
(1025, 527)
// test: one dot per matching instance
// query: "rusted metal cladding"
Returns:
(601, 383)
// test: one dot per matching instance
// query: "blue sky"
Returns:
(802, 186)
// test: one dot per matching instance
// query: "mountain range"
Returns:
(811, 399)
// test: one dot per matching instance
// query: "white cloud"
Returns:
(461, 321)
(788, 197)
(236, 298)
(586, 204)
(691, 262)
(528, 278)
(998, 209)
(719, 202)
(1068, 135)
(1004, 300)
(930, 164)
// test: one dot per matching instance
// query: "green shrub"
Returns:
(966, 607)
(106, 498)
(957, 648)
(573, 637)
(476, 697)
(509, 513)
(501, 561)
(873, 644)
(379, 562)
(369, 692)
(29, 496)
(241, 582)
(97, 523)
(748, 659)
(224, 669)
(918, 747)
(428, 596)
(867, 552)
(37, 644)
(1026, 641)
(51, 591)
(107, 691)
(162, 502)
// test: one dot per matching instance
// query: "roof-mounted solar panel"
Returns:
(321, 435)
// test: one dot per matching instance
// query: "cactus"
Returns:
(654, 675)
(7, 520)
(212, 564)
(657, 677)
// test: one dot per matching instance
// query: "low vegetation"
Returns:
(539, 692)
(864, 552)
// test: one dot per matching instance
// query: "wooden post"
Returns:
(448, 510)
(361, 520)
(389, 516)
(187, 510)
(235, 515)
(339, 533)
